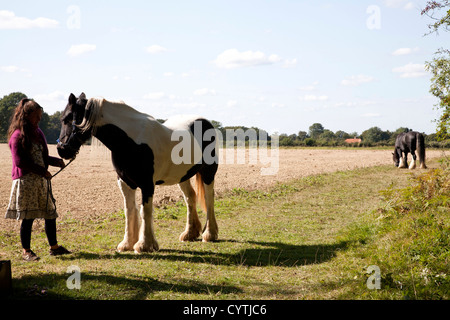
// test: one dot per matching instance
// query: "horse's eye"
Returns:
(67, 119)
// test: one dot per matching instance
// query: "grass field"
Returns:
(312, 238)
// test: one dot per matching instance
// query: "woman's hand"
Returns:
(61, 163)
(48, 175)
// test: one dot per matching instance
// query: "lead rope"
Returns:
(50, 194)
(63, 167)
(49, 186)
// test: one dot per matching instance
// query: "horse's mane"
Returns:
(129, 117)
(94, 105)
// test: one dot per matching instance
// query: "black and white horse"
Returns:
(409, 142)
(143, 154)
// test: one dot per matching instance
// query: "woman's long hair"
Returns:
(20, 120)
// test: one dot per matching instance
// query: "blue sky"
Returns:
(277, 65)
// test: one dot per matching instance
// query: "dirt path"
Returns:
(88, 186)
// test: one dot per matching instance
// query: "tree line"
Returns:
(317, 135)
(50, 124)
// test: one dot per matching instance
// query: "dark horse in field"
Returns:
(146, 153)
(409, 142)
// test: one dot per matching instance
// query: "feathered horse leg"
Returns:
(412, 165)
(193, 224)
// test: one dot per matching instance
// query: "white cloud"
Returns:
(9, 69)
(204, 92)
(404, 51)
(353, 104)
(8, 20)
(289, 63)
(371, 115)
(409, 6)
(50, 97)
(310, 87)
(311, 97)
(126, 78)
(53, 101)
(231, 103)
(356, 80)
(13, 69)
(156, 49)
(404, 4)
(411, 70)
(189, 105)
(154, 95)
(168, 74)
(79, 49)
(232, 58)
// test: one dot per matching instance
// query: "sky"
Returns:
(277, 65)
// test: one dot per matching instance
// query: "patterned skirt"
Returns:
(31, 198)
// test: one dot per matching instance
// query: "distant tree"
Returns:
(440, 88)
(316, 130)
(374, 135)
(53, 128)
(7, 105)
(310, 142)
(216, 124)
(285, 140)
(302, 135)
(342, 135)
(44, 122)
(440, 65)
(401, 130)
(327, 135)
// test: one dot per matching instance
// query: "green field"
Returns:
(313, 238)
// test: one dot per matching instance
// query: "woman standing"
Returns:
(31, 196)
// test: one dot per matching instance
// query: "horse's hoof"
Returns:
(209, 236)
(141, 247)
(124, 246)
(189, 235)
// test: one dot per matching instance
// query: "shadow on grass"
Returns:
(288, 255)
(105, 286)
(101, 285)
(253, 254)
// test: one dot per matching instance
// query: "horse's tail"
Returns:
(421, 150)
(200, 190)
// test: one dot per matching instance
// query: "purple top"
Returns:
(22, 162)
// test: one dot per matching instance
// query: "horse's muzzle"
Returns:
(65, 151)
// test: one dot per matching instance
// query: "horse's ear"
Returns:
(72, 99)
(82, 96)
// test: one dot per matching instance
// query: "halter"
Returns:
(72, 136)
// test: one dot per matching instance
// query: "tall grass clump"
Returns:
(412, 243)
